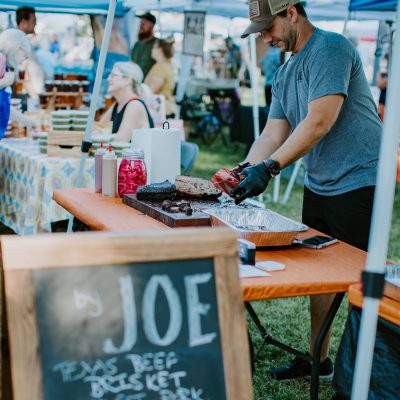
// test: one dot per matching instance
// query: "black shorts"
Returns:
(346, 216)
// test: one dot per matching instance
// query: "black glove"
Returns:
(255, 181)
(240, 167)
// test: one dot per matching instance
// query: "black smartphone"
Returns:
(317, 242)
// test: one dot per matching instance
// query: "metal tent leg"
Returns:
(292, 180)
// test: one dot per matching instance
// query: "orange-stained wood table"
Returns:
(308, 272)
(329, 270)
(389, 309)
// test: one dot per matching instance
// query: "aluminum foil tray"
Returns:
(260, 226)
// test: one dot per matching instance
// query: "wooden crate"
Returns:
(64, 143)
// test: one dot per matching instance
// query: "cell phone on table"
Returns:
(317, 242)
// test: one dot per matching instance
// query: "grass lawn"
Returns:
(288, 319)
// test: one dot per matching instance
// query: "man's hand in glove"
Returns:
(254, 181)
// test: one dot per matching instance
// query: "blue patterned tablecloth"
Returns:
(27, 182)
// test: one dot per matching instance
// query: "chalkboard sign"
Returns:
(155, 316)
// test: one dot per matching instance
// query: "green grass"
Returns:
(288, 319)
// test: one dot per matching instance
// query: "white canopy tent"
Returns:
(96, 7)
(328, 10)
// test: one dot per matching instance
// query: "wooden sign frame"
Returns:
(21, 256)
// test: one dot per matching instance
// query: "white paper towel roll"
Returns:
(162, 152)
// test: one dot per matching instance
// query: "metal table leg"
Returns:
(314, 359)
(268, 339)
(318, 344)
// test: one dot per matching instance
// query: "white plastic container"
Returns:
(162, 149)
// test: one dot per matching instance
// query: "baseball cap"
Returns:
(149, 16)
(262, 13)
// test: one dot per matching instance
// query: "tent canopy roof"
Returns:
(98, 7)
(324, 10)
(316, 9)
(373, 5)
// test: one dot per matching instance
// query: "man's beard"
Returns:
(144, 35)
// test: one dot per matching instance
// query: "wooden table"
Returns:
(308, 272)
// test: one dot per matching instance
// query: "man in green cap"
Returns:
(141, 52)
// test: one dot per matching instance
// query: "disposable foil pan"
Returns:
(260, 226)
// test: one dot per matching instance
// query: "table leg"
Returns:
(268, 339)
(318, 344)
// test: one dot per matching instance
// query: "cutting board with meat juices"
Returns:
(174, 220)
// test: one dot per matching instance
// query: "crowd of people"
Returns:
(151, 61)
(151, 54)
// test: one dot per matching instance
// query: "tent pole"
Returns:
(254, 91)
(95, 96)
(159, 17)
(380, 227)
(346, 21)
(254, 86)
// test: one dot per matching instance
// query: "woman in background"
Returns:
(161, 77)
(130, 110)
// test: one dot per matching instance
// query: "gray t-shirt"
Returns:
(347, 157)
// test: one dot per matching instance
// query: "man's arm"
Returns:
(322, 115)
(274, 134)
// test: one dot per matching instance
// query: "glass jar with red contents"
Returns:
(132, 172)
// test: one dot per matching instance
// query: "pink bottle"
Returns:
(98, 168)
(132, 172)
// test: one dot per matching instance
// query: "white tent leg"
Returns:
(292, 180)
(254, 86)
(96, 92)
(380, 226)
(277, 185)
(254, 91)
(184, 74)
(159, 18)
(346, 21)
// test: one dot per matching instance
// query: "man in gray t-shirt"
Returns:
(322, 110)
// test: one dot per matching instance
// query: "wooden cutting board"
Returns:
(178, 220)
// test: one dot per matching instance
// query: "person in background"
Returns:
(54, 47)
(130, 111)
(270, 63)
(161, 77)
(233, 58)
(26, 20)
(381, 82)
(34, 74)
(14, 50)
(322, 110)
(141, 52)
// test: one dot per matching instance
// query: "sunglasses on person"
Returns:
(113, 74)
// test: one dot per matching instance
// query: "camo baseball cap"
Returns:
(262, 13)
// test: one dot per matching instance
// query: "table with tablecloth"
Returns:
(27, 181)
